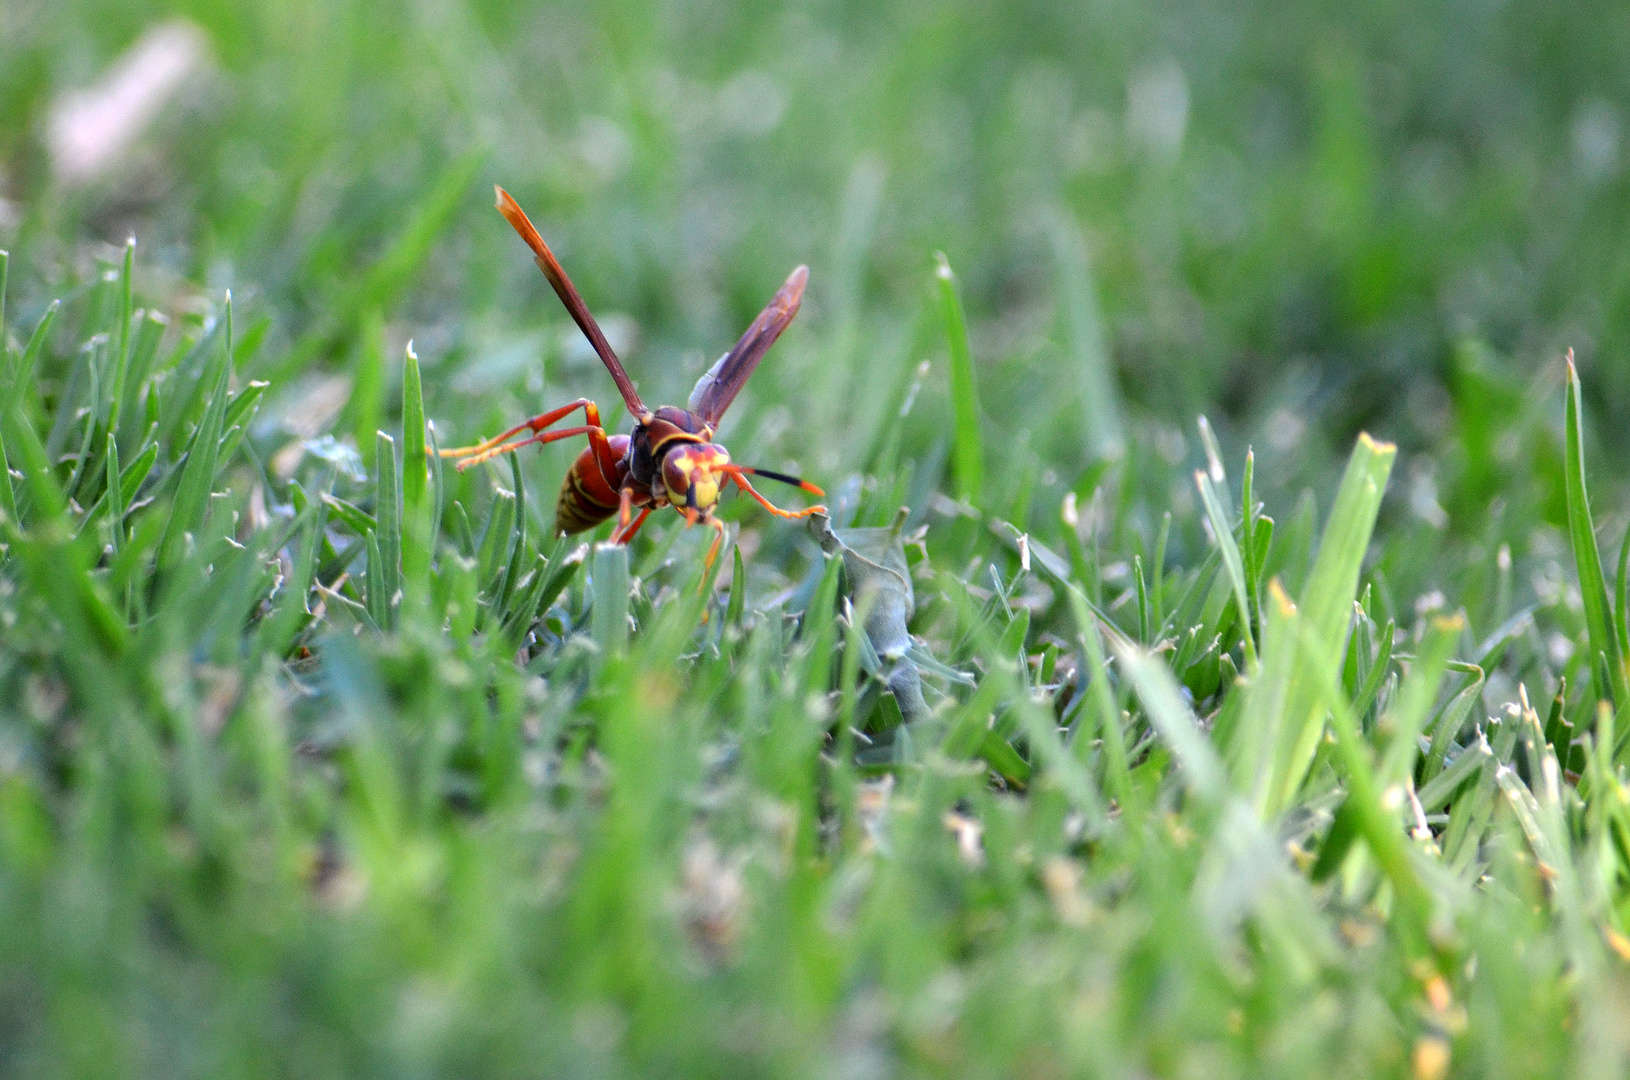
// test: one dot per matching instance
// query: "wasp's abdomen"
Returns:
(587, 495)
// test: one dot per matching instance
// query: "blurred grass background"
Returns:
(400, 853)
(1286, 214)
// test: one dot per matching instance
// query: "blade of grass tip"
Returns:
(462, 532)
(1557, 727)
(1326, 608)
(416, 537)
(131, 478)
(1223, 533)
(388, 513)
(738, 589)
(1582, 532)
(1143, 599)
(1208, 442)
(1378, 671)
(967, 449)
(115, 498)
(240, 410)
(121, 356)
(608, 621)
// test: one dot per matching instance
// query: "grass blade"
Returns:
(115, 498)
(967, 450)
(121, 356)
(1407, 714)
(1273, 746)
(198, 474)
(416, 536)
(1379, 827)
(609, 619)
(1101, 704)
(388, 532)
(1604, 637)
(142, 351)
(1162, 699)
(1223, 533)
(738, 589)
(517, 549)
(24, 374)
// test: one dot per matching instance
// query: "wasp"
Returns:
(670, 458)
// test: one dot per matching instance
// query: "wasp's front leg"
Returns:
(537, 426)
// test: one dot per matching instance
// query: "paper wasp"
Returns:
(670, 458)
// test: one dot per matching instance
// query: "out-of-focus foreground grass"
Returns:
(1052, 756)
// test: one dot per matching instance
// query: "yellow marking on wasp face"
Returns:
(692, 475)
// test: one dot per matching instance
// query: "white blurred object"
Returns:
(91, 129)
(1157, 107)
(1597, 134)
(751, 103)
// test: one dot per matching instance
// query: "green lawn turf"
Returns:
(1082, 740)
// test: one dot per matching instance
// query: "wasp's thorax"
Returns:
(694, 475)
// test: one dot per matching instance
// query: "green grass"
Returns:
(1072, 743)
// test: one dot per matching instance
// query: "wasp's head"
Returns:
(694, 474)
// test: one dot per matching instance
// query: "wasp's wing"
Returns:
(569, 296)
(717, 389)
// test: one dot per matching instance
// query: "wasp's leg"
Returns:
(625, 534)
(712, 554)
(741, 482)
(503, 444)
(547, 437)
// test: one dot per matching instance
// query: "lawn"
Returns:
(1214, 660)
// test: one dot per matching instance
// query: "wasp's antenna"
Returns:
(794, 481)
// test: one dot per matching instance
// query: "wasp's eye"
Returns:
(676, 476)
